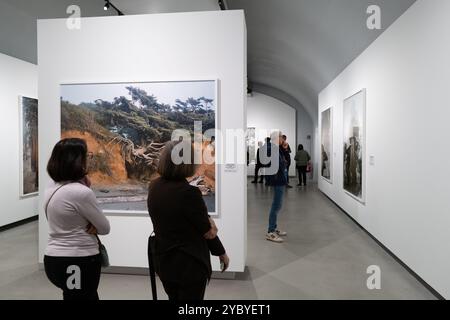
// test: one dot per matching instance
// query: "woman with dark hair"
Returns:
(301, 161)
(72, 260)
(185, 235)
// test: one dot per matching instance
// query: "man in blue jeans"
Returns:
(279, 182)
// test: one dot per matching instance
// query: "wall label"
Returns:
(230, 167)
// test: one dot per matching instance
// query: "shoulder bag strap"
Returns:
(51, 197)
(98, 239)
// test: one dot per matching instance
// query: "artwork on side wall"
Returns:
(354, 145)
(251, 145)
(327, 145)
(29, 164)
(126, 126)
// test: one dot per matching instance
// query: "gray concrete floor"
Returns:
(325, 256)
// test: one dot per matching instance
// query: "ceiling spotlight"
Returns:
(109, 4)
(222, 5)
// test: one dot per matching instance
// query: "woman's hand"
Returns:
(91, 230)
(212, 233)
(224, 262)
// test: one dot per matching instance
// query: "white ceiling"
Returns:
(300, 46)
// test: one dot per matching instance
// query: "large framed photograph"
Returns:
(250, 139)
(29, 147)
(355, 145)
(126, 126)
(326, 156)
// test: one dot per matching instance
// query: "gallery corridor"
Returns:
(325, 256)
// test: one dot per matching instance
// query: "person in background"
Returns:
(278, 181)
(258, 164)
(301, 161)
(74, 220)
(286, 150)
(185, 235)
(325, 170)
(248, 156)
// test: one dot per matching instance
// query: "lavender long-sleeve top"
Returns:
(72, 208)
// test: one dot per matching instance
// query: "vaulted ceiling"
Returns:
(300, 46)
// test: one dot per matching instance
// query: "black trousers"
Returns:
(301, 175)
(257, 168)
(194, 291)
(77, 277)
(183, 276)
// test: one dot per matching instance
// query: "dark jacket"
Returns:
(278, 179)
(180, 219)
(266, 149)
(258, 159)
(286, 154)
(302, 158)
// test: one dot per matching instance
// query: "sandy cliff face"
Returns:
(206, 170)
(106, 164)
(109, 170)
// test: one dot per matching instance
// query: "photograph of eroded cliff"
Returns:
(126, 126)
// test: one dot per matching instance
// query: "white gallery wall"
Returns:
(406, 73)
(16, 78)
(267, 114)
(158, 47)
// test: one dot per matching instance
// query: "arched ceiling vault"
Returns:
(299, 46)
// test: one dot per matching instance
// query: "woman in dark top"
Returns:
(185, 235)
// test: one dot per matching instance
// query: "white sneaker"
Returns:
(281, 233)
(272, 236)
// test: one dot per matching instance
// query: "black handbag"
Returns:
(103, 253)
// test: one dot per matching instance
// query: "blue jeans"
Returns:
(276, 207)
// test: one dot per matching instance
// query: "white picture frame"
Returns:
(22, 193)
(331, 141)
(358, 102)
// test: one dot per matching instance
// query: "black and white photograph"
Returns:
(251, 145)
(354, 145)
(326, 156)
